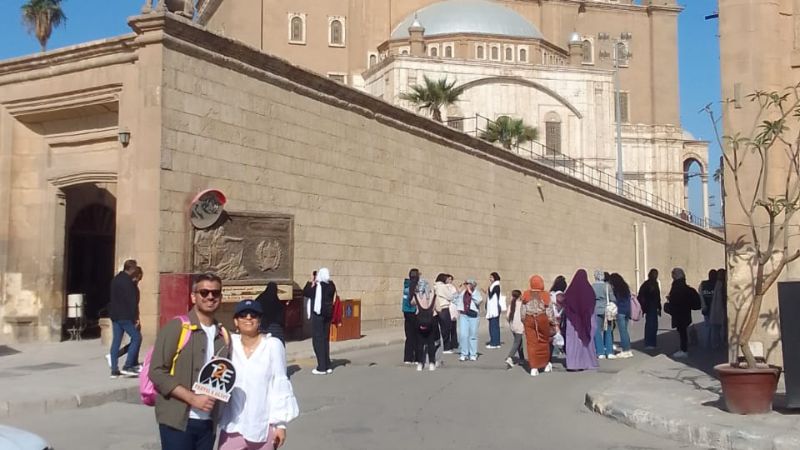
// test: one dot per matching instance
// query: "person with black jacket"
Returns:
(650, 300)
(322, 292)
(123, 310)
(274, 312)
(682, 299)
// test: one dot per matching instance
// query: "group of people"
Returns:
(577, 320)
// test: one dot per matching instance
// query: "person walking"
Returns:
(581, 325)
(706, 290)
(539, 325)
(123, 310)
(468, 303)
(682, 299)
(650, 299)
(454, 314)
(493, 311)
(603, 337)
(410, 317)
(426, 321)
(557, 289)
(262, 402)
(514, 313)
(187, 421)
(322, 292)
(274, 312)
(622, 297)
(444, 298)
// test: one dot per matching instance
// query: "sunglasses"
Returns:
(215, 293)
(248, 315)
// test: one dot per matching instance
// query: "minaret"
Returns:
(575, 49)
(416, 32)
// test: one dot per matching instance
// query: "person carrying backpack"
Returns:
(423, 300)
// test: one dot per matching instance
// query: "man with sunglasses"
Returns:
(186, 420)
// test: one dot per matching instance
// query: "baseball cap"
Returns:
(248, 305)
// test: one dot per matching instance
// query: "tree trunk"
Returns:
(751, 320)
(437, 115)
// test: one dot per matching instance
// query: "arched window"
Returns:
(588, 53)
(404, 52)
(523, 55)
(552, 133)
(509, 54)
(296, 29)
(479, 52)
(373, 59)
(434, 52)
(448, 52)
(624, 55)
(495, 53)
(337, 32)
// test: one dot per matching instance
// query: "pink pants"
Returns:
(235, 441)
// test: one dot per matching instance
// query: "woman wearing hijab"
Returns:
(581, 326)
(493, 311)
(262, 402)
(682, 299)
(410, 317)
(468, 303)
(274, 311)
(321, 291)
(539, 322)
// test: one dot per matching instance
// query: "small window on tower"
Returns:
(448, 52)
(509, 54)
(523, 55)
(336, 33)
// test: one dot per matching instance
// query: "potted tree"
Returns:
(762, 190)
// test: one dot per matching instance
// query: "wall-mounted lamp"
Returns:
(124, 137)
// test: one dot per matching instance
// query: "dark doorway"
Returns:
(90, 243)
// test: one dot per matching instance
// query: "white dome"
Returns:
(468, 16)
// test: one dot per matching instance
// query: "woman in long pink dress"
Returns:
(579, 308)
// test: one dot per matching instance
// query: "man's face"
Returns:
(207, 296)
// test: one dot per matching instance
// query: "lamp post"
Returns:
(619, 54)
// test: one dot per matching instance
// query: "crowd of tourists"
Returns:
(575, 322)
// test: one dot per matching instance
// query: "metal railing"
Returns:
(536, 151)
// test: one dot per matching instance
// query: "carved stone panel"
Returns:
(246, 248)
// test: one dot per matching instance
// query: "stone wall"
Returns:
(376, 190)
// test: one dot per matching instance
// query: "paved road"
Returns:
(373, 402)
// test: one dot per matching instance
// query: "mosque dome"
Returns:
(468, 16)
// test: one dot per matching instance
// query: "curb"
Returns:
(694, 427)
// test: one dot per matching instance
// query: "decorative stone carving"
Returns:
(180, 7)
(246, 248)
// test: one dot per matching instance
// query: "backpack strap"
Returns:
(186, 334)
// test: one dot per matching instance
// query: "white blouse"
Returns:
(262, 394)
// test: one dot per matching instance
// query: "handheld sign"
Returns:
(216, 379)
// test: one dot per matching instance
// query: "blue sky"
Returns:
(698, 52)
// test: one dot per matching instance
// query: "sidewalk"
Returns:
(677, 400)
(43, 378)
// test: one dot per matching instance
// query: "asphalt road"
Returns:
(373, 401)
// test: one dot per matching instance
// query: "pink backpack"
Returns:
(636, 309)
(147, 390)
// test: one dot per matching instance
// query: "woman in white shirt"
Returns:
(262, 401)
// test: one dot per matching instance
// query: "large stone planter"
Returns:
(748, 391)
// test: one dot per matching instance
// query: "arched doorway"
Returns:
(695, 191)
(90, 242)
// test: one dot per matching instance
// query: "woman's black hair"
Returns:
(515, 294)
(495, 275)
(441, 278)
(413, 276)
(559, 284)
(618, 284)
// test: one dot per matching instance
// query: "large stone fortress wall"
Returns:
(376, 190)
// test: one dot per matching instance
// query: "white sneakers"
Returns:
(329, 371)
(680, 354)
(448, 352)
(419, 367)
(108, 359)
(319, 372)
(492, 347)
(431, 367)
(473, 358)
(548, 368)
(601, 357)
(611, 356)
(510, 362)
(534, 372)
(462, 358)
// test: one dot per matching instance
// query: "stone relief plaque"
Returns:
(246, 249)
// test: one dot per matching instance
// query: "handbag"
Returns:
(611, 308)
(503, 305)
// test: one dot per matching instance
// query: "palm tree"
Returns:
(509, 132)
(433, 95)
(41, 16)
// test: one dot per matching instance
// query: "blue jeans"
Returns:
(118, 328)
(494, 331)
(603, 340)
(624, 337)
(651, 328)
(199, 435)
(468, 335)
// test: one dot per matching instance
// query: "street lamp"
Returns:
(619, 54)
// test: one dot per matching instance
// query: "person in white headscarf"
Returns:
(322, 292)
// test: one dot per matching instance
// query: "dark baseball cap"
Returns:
(248, 305)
